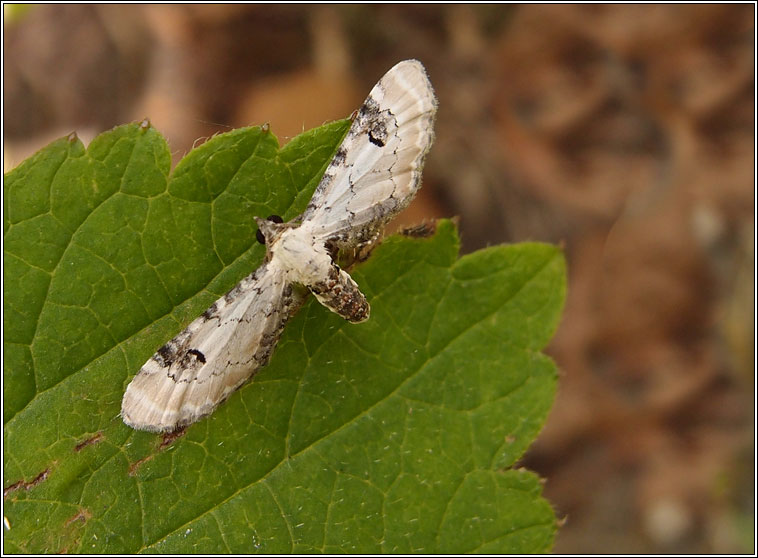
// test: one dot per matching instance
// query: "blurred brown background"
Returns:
(624, 132)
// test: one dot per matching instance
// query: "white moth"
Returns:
(374, 174)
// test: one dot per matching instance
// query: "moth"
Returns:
(374, 174)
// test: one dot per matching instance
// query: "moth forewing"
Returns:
(376, 171)
(192, 374)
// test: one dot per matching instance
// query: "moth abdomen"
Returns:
(340, 294)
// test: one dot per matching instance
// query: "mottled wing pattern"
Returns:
(377, 169)
(374, 174)
(192, 374)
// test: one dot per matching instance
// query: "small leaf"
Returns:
(395, 435)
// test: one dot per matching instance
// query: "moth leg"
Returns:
(349, 255)
(363, 250)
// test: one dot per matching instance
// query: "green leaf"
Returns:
(395, 435)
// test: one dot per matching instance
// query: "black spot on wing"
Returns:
(339, 157)
(369, 110)
(165, 355)
(198, 354)
(211, 312)
(378, 141)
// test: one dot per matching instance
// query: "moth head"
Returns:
(269, 229)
